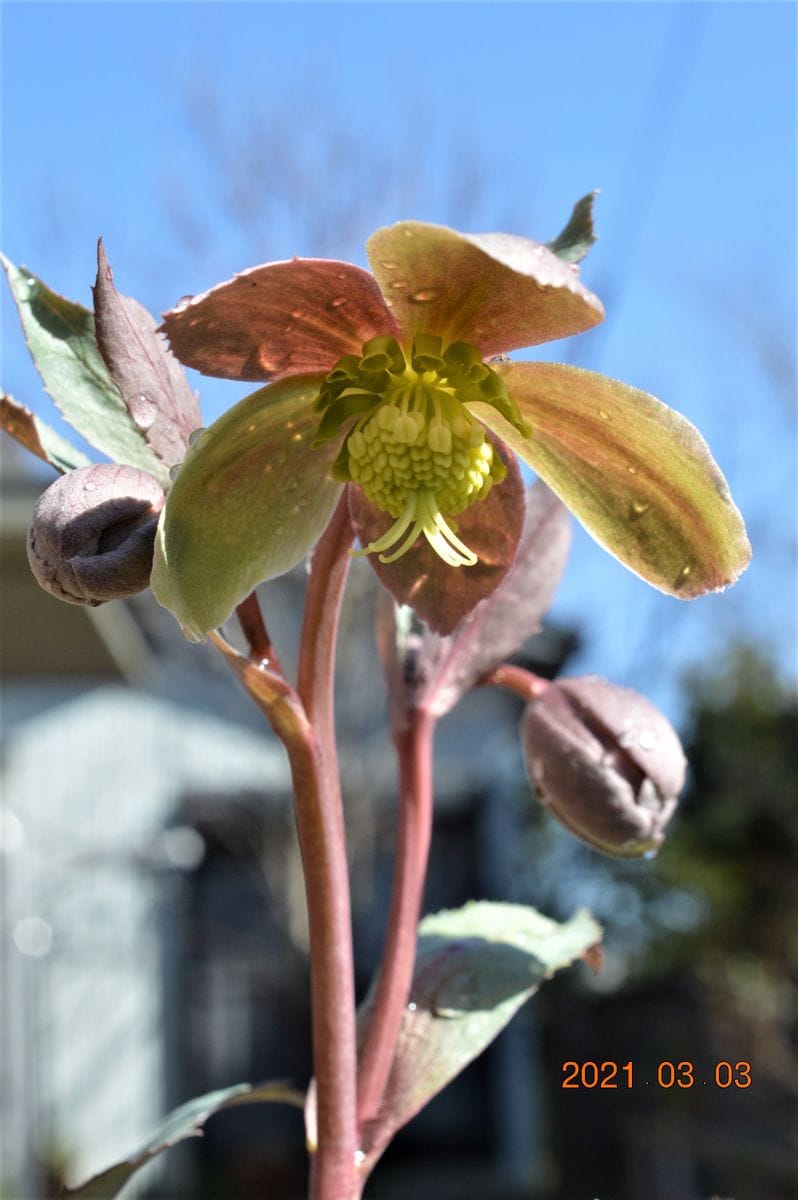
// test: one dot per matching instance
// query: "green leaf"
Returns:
(60, 337)
(475, 967)
(573, 243)
(38, 437)
(250, 500)
(639, 477)
(185, 1122)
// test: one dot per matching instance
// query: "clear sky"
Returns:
(202, 138)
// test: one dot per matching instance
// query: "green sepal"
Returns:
(250, 500)
(339, 411)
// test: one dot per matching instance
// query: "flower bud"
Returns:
(93, 531)
(606, 762)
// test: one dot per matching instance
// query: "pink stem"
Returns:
(413, 741)
(518, 680)
(322, 838)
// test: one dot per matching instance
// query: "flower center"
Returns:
(414, 447)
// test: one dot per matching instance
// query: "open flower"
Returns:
(390, 382)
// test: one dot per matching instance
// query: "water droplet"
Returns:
(32, 284)
(632, 470)
(338, 301)
(627, 739)
(649, 854)
(33, 937)
(297, 437)
(423, 295)
(686, 570)
(287, 328)
(196, 435)
(90, 487)
(143, 410)
(648, 739)
(389, 266)
(412, 1005)
(400, 285)
(639, 507)
(408, 232)
(296, 313)
(174, 471)
(182, 303)
(291, 483)
(605, 416)
(360, 1158)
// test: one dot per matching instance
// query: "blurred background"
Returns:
(152, 912)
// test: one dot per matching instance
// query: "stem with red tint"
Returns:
(413, 740)
(523, 683)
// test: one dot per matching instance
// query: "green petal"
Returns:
(250, 500)
(494, 290)
(638, 476)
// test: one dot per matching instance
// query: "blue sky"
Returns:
(199, 139)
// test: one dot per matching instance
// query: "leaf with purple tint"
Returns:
(185, 1122)
(38, 437)
(502, 622)
(439, 593)
(284, 318)
(150, 380)
(475, 967)
(61, 339)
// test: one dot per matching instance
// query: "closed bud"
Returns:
(93, 532)
(606, 762)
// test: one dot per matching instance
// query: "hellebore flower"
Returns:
(606, 762)
(389, 382)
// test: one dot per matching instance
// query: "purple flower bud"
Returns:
(92, 534)
(606, 762)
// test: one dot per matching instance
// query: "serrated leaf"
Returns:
(60, 337)
(38, 437)
(475, 967)
(185, 1122)
(250, 500)
(573, 242)
(150, 380)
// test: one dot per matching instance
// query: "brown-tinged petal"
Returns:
(638, 475)
(495, 290)
(150, 380)
(440, 594)
(502, 622)
(92, 534)
(283, 318)
(250, 500)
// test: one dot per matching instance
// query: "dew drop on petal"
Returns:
(605, 416)
(408, 233)
(291, 483)
(338, 302)
(638, 508)
(389, 266)
(174, 471)
(423, 295)
(89, 487)
(632, 470)
(182, 303)
(400, 285)
(196, 434)
(648, 739)
(143, 410)
(296, 313)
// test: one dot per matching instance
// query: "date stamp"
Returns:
(722, 1074)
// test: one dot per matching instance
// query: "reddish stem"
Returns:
(261, 650)
(413, 742)
(523, 683)
(323, 844)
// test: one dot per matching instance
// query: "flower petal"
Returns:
(442, 595)
(638, 475)
(283, 318)
(495, 290)
(249, 501)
